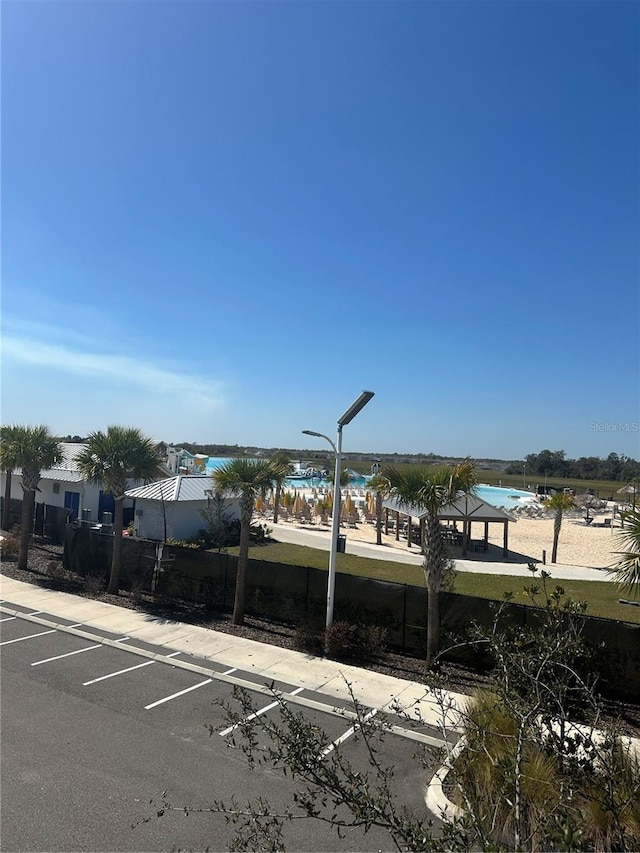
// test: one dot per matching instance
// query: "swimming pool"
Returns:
(494, 495)
(508, 498)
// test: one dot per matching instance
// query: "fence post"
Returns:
(306, 596)
(404, 619)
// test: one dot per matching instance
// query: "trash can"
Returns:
(342, 543)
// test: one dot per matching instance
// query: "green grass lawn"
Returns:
(601, 596)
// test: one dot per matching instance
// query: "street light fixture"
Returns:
(343, 420)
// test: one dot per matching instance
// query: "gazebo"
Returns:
(466, 509)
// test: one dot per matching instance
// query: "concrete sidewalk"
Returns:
(320, 538)
(272, 663)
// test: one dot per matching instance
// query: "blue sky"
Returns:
(222, 220)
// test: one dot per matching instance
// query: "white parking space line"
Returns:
(229, 671)
(29, 637)
(8, 618)
(119, 672)
(122, 671)
(68, 654)
(35, 612)
(347, 734)
(179, 693)
(259, 712)
(75, 625)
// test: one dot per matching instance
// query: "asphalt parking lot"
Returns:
(95, 729)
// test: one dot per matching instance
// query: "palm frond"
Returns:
(120, 453)
(431, 488)
(626, 570)
(246, 476)
(33, 449)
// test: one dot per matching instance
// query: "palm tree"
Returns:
(431, 489)
(282, 464)
(34, 450)
(111, 459)
(8, 464)
(560, 502)
(245, 478)
(346, 477)
(380, 485)
(626, 571)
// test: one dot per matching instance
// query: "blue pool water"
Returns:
(508, 498)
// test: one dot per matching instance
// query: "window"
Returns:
(56, 488)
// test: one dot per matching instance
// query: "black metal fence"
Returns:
(48, 521)
(297, 595)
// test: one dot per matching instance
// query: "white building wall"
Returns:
(89, 492)
(183, 518)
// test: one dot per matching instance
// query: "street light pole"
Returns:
(345, 419)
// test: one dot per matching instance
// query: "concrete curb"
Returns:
(435, 799)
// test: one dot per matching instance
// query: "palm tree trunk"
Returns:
(243, 556)
(114, 577)
(26, 526)
(378, 518)
(6, 507)
(435, 559)
(556, 533)
(276, 503)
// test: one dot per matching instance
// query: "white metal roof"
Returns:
(65, 470)
(182, 487)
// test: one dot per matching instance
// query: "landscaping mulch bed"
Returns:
(45, 569)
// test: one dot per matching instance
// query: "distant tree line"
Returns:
(554, 463)
(237, 450)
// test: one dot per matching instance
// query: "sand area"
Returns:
(579, 544)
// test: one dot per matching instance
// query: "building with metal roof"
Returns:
(65, 487)
(172, 508)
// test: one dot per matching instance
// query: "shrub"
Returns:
(308, 637)
(344, 640)
(10, 546)
(260, 534)
(219, 530)
(138, 592)
(563, 792)
(55, 569)
(94, 584)
(194, 544)
(372, 641)
(484, 771)
(340, 640)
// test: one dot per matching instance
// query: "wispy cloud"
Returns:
(124, 370)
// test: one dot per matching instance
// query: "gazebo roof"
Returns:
(464, 508)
